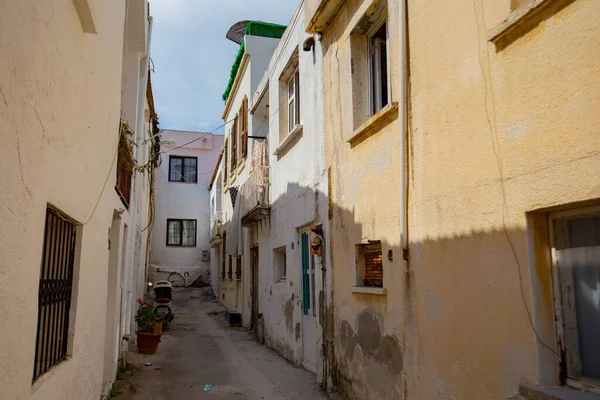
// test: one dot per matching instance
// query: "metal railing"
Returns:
(216, 223)
(54, 296)
(255, 191)
(124, 170)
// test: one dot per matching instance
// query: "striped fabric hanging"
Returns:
(233, 192)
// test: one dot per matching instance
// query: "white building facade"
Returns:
(76, 97)
(180, 245)
(278, 284)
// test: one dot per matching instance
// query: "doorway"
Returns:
(254, 286)
(309, 310)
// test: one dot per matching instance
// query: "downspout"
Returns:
(404, 156)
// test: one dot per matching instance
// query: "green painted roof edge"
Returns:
(254, 28)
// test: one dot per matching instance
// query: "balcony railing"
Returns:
(216, 223)
(255, 196)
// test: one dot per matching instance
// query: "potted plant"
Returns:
(148, 336)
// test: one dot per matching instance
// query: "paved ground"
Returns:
(200, 350)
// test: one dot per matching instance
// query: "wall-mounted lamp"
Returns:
(168, 142)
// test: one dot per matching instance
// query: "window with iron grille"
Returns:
(230, 270)
(55, 290)
(224, 256)
(183, 169)
(238, 267)
(181, 232)
(369, 264)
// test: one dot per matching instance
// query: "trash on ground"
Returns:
(148, 364)
(206, 388)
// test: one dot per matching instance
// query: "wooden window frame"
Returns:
(183, 158)
(568, 347)
(169, 220)
(234, 147)
(243, 113)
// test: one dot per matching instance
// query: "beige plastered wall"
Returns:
(497, 130)
(364, 335)
(59, 107)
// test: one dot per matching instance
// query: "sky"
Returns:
(192, 58)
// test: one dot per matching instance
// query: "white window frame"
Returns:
(566, 348)
(375, 103)
(293, 117)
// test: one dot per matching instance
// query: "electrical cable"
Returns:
(495, 145)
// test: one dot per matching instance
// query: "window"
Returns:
(181, 232)
(183, 169)
(378, 67)
(243, 129)
(576, 257)
(225, 160)
(238, 267)
(230, 270)
(280, 264)
(224, 256)
(369, 264)
(55, 290)
(293, 101)
(234, 149)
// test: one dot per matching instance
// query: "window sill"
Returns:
(184, 182)
(373, 122)
(532, 392)
(514, 18)
(286, 142)
(181, 245)
(369, 290)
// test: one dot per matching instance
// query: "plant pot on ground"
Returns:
(146, 318)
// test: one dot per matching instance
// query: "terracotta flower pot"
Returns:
(147, 342)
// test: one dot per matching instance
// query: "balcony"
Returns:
(216, 223)
(255, 196)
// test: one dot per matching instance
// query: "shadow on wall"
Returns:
(455, 311)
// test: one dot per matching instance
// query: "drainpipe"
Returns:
(404, 82)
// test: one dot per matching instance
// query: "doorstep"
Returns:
(532, 392)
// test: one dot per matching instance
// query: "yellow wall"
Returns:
(524, 111)
(365, 184)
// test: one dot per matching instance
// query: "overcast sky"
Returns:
(192, 58)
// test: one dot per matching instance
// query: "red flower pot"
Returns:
(147, 342)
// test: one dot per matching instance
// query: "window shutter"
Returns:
(297, 95)
(244, 113)
(305, 277)
(234, 148)
(225, 160)
(373, 266)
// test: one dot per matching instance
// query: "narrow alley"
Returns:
(200, 350)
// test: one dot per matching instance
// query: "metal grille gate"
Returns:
(54, 297)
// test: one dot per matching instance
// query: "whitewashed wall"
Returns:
(182, 200)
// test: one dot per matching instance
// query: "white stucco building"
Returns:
(74, 85)
(181, 232)
(275, 274)
(292, 264)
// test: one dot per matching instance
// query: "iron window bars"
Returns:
(55, 290)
